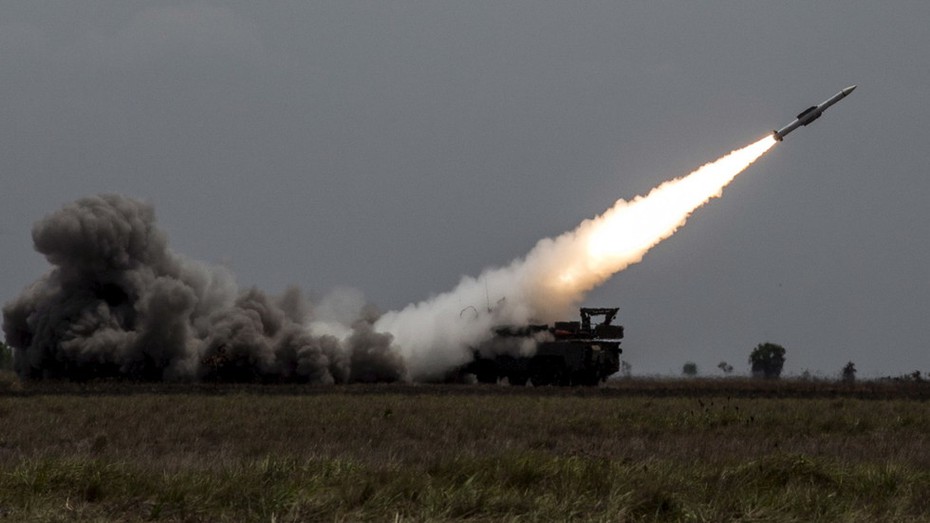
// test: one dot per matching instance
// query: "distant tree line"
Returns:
(768, 359)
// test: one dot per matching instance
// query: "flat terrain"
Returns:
(637, 450)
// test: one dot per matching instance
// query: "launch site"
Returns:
(439, 261)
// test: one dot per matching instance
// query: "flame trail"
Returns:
(434, 335)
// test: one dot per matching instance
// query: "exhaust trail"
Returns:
(117, 302)
(434, 335)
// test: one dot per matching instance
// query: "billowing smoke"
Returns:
(435, 334)
(117, 302)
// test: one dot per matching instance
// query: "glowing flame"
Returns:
(624, 233)
(433, 335)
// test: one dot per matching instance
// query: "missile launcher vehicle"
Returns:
(566, 353)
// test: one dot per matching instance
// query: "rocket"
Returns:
(812, 113)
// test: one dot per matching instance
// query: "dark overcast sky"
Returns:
(395, 146)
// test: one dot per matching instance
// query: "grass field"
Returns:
(636, 451)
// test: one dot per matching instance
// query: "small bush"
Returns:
(849, 373)
(690, 369)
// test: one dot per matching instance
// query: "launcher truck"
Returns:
(566, 353)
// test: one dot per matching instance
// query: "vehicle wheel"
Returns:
(487, 377)
(546, 371)
(541, 379)
(486, 371)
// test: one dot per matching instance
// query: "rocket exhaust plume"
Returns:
(435, 334)
(117, 302)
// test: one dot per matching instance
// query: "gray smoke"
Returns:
(118, 302)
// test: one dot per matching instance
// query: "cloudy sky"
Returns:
(393, 147)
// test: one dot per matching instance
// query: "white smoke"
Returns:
(437, 334)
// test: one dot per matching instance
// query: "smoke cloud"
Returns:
(118, 302)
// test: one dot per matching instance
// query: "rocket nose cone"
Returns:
(848, 90)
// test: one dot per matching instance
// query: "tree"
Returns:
(849, 373)
(690, 369)
(767, 360)
(725, 367)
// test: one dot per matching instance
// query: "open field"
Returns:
(637, 450)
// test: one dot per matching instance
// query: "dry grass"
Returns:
(119, 452)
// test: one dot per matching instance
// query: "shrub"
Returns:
(690, 369)
(767, 360)
(849, 373)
